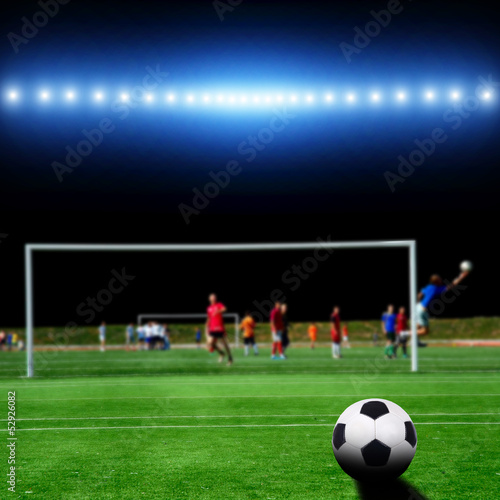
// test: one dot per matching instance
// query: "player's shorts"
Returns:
(422, 316)
(276, 336)
(335, 336)
(217, 335)
(403, 337)
(249, 340)
(102, 338)
(391, 336)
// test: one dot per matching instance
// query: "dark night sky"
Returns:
(323, 174)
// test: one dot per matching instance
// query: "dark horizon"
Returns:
(418, 170)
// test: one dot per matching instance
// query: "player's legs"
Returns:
(212, 342)
(228, 350)
(254, 345)
(246, 342)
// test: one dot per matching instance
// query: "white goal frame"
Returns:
(234, 316)
(410, 245)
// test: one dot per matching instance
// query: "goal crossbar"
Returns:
(29, 248)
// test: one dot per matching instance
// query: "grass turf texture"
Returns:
(260, 429)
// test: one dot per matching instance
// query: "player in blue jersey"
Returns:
(436, 289)
(389, 329)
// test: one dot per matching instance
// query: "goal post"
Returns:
(410, 245)
(234, 317)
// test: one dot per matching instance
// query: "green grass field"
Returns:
(178, 425)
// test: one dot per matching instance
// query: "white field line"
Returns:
(128, 361)
(167, 383)
(256, 396)
(281, 372)
(220, 426)
(232, 416)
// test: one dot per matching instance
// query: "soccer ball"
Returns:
(466, 265)
(374, 440)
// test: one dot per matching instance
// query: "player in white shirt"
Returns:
(148, 333)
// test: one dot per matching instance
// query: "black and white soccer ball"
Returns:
(374, 440)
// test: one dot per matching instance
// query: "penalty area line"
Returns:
(227, 426)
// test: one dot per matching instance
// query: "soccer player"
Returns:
(345, 336)
(3, 339)
(197, 337)
(335, 332)
(433, 290)
(165, 333)
(148, 334)
(389, 329)
(248, 327)
(102, 336)
(129, 336)
(402, 334)
(215, 327)
(277, 331)
(312, 331)
(141, 337)
(285, 339)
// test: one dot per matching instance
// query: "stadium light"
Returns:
(190, 98)
(124, 97)
(329, 98)
(310, 98)
(401, 96)
(486, 95)
(293, 98)
(207, 99)
(455, 95)
(375, 97)
(170, 97)
(98, 96)
(13, 95)
(44, 95)
(149, 98)
(351, 98)
(429, 95)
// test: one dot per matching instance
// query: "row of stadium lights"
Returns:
(329, 98)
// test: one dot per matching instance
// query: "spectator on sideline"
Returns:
(129, 336)
(102, 336)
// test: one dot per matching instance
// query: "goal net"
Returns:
(231, 268)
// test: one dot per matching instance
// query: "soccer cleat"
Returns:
(274, 356)
(230, 362)
(282, 356)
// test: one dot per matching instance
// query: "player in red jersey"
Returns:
(335, 331)
(215, 328)
(402, 333)
(277, 330)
